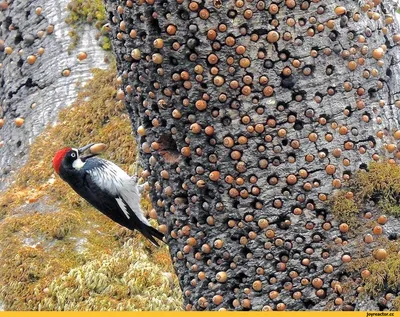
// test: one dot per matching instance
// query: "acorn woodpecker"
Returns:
(106, 187)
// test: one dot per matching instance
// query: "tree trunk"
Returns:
(250, 114)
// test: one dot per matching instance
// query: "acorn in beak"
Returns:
(93, 148)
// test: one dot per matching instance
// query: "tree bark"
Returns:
(249, 115)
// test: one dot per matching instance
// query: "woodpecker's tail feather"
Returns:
(149, 232)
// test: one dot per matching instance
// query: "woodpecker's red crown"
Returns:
(57, 159)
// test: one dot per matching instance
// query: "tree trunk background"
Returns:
(244, 138)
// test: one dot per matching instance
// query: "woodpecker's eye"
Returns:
(73, 154)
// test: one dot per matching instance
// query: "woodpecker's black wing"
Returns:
(110, 190)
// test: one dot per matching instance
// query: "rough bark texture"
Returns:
(245, 137)
(36, 92)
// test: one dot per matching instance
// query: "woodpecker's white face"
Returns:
(77, 163)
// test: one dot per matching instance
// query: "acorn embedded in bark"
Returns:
(19, 122)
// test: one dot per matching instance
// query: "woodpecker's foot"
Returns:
(143, 187)
(135, 179)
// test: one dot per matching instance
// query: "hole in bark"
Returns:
(308, 304)
(231, 14)
(18, 38)
(298, 125)
(284, 55)
(184, 15)
(285, 142)
(19, 143)
(226, 121)
(269, 64)
(288, 82)
(173, 61)
(29, 83)
(261, 31)
(276, 161)
(329, 70)
(168, 144)
(192, 43)
(20, 63)
(7, 22)
(155, 26)
(235, 236)
(334, 35)
(372, 92)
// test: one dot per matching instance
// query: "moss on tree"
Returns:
(86, 11)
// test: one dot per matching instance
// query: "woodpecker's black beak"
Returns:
(84, 149)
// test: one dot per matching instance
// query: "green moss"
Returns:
(106, 43)
(384, 273)
(126, 280)
(84, 11)
(56, 251)
(396, 301)
(381, 177)
(344, 209)
(382, 180)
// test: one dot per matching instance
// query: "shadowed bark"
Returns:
(249, 115)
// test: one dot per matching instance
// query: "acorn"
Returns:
(141, 130)
(136, 54)
(31, 59)
(8, 50)
(221, 277)
(97, 148)
(2, 121)
(215, 175)
(380, 254)
(19, 122)
(40, 51)
(378, 53)
(66, 72)
(157, 58)
(257, 286)
(340, 10)
(81, 56)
